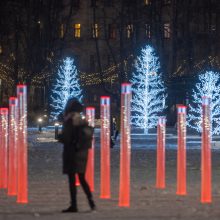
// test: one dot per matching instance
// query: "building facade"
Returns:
(104, 37)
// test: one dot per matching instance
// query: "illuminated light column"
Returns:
(105, 191)
(181, 151)
(22, 193)
(125, 148)
(161, 132)
(90, 116)
(3, 148)
(206, 169)
(13, 163)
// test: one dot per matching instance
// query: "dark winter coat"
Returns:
(74, 156)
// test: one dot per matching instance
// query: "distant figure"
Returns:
(112, 131)
(75, 154)
(117, 127)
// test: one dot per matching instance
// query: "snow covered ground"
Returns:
(48, 189)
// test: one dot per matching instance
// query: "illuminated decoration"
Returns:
(4, 74)
(161, 133)
(206, 165)
(90, 172)
(181, 150)
(3, 148)
(105, 148)
(86, 79)
(13, 138)
(22, 189)
(125, 149)
(208, 85)
(200, 66)
(66, 86)
(148, 91)
(110, 75)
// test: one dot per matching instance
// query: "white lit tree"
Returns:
(148, 100)
(66, 86)
(208, 85)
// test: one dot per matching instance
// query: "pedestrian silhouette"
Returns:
(112, 131)
(117, 127)
(75, 151)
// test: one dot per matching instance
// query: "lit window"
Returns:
(95, 31)
(112, 31)
(61, 30)
(77, 30)
(147, 31)
(167, 30)
(146, 2)
(130, 30)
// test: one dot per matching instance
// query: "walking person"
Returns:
(112, 131)
(117, 127)
(75, 152)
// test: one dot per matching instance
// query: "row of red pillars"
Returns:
(125, 146)
(13, 146)
(13, 173)
(206, 187)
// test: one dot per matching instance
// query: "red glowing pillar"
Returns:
(161, 132)
(105, 191)
(3, 148)
(181, 150)
(206, 169)
(12, 163)
(125, 142)
(22, 189)
(90, 116)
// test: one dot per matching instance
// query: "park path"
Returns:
(48, 190)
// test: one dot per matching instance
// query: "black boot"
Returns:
(92, 204)
(70, 209)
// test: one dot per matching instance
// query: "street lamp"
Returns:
(40, 120)
(56, 125)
